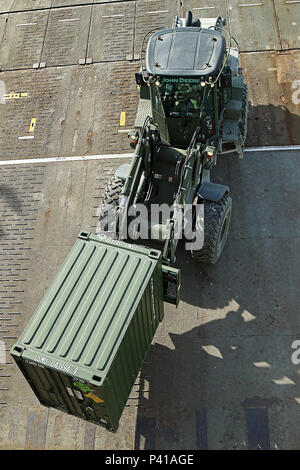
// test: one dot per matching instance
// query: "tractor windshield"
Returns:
(184, 99)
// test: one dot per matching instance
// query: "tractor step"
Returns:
(238, 81)
(144, 110)
(233, 109)
(237, 88)
(231, 131)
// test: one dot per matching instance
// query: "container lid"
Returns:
(86, 310)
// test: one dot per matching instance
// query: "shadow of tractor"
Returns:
(9, 198)
(227, 348)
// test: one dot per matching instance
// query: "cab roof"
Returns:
(189, 51)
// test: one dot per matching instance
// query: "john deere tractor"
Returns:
(193, 109)
(86, 342)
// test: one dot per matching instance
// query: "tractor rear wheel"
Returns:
(109, 203)
(217, 217)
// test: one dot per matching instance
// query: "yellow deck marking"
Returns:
(32, 125)
(122, 118)
(14, 96)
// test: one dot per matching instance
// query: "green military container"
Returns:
(82, 349)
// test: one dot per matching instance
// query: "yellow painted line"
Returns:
(32, 125)
(122, 118)
(14, 96)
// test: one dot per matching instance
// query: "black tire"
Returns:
(244, 119)
(109, 203)
(217, 217)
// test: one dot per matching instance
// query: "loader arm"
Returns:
(139, 179)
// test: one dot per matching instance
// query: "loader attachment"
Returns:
(84, 345)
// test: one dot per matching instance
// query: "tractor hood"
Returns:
(188, 51)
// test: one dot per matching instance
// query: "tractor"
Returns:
(193, 108)
(86, 342)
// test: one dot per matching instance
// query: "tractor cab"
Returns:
(183, 65)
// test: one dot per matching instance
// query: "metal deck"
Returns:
(219, 373)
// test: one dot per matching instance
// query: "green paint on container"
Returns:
(83, 347)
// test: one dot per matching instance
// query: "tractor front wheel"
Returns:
(244, 120)
(109, 203)
(217, 217)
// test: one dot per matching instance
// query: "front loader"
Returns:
(84, 345)
(193, 109)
